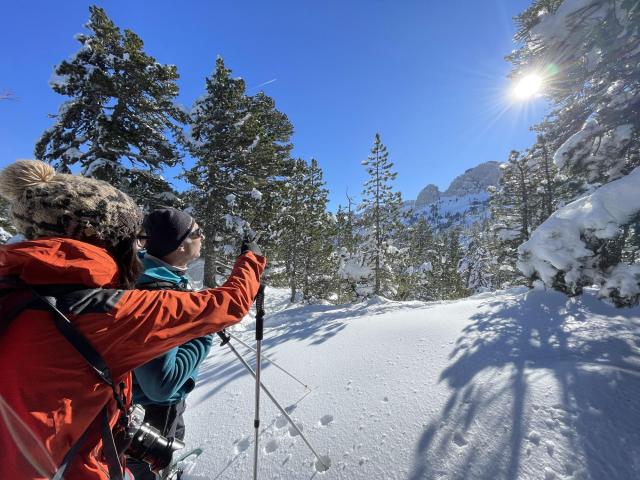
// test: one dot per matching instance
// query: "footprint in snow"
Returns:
(459, 439)
(534, 437)
(326, 420)
(271, 446)
(281, 422)
(242, 445)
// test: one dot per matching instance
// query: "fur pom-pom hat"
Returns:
(48, 204)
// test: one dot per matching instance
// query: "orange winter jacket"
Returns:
(49, 394)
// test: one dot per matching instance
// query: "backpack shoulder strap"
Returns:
(160, 285)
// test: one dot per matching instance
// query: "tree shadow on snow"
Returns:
(486, 430)
(312, 324)
(315, 324)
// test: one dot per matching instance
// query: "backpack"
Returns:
(16, 296)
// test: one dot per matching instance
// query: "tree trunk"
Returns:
(210, 257)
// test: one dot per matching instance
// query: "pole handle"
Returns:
(260, 312)
(224, 336)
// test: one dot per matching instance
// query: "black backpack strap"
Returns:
(81, 344)
(109, 448)
(108, 445)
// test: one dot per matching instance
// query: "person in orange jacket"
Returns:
(81, 234)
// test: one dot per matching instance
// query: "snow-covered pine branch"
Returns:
(566, 251)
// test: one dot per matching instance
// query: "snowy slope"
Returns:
(464, 203)
(513, 385)
(462, 210)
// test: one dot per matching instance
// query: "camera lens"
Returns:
(151, 447)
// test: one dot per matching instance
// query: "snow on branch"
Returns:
(596, 150)
(563, 251)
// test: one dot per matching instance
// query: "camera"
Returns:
(142, 441)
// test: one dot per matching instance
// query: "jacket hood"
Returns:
(58, 261)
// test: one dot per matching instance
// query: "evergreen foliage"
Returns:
(478, 263)
(307, 230)
(587, 52)
(240, 144)
(591, 77)
(511, 209)
(380, 220)
(445, 276)
(415, 280)
(153, 191)
(353, 271)
(120, 112)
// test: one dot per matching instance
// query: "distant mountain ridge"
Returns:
(464, 202)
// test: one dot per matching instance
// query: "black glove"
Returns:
(249, 244)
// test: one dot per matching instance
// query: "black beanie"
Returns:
(165, 229)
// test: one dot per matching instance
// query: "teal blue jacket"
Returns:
(168, 379)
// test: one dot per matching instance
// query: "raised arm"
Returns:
(149, 323)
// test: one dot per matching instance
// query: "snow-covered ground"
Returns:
(507, 385)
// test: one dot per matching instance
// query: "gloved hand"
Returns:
(249, 244)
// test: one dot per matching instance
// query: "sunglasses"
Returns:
(197, 233)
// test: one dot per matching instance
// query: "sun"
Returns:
(527, 86)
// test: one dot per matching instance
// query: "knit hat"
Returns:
(166, 228)
(47, 204)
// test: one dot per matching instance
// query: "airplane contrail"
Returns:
(265, 83)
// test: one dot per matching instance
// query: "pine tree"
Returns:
(511, 207)
(307, 231)
(320, 261)
(120, 109)
(291, 225)
(590, 72)
(444, 281)
(415, 280)
(589, 63)
(346, 235)
(241, 144)
(353, 271)
(380, 217)
(477, 264)
(543, 173)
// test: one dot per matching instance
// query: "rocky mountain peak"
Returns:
(474, 180)
(427, 195)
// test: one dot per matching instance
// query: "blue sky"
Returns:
(429, 76)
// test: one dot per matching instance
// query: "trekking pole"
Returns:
(225, 341)
(259, 334)
(267, 357)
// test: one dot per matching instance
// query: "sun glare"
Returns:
(527, 86)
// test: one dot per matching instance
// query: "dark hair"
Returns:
(129, 266)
